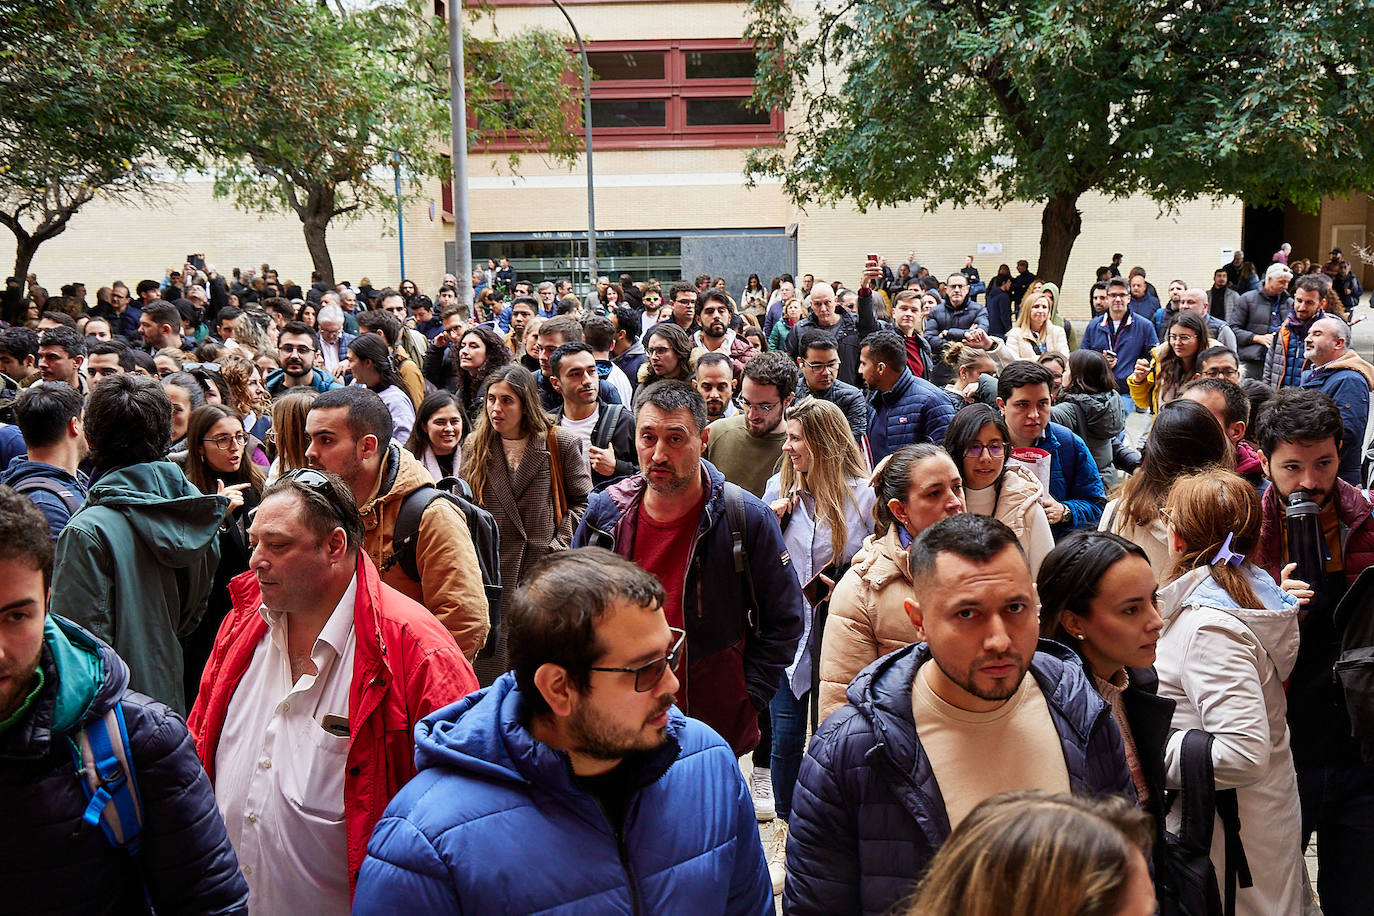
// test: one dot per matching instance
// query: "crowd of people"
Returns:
(345, 598)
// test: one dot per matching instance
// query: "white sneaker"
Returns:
(761, 787)
(777, 873)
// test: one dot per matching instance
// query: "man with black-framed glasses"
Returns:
(298, 345)
(573, 782)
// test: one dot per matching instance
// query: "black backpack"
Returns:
(1191, 888)
(53, 486)
(486, 539)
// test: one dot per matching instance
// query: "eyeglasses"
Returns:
(993, 449)
(1221, 372)
(1186, 338)
(208, 367)
(225, 443)
(292, 349)
(658, 351)
(650, 673)
(756, 408)
(818, 367)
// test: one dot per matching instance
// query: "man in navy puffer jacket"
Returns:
(55, 679)
(918, 745)
(572, 784)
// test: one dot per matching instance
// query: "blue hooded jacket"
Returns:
(493, 823)
(50, 504)
(868, 815)
(1074, 479)
(913, 411)
(56, 863)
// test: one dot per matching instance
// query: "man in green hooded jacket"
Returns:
(136, 562)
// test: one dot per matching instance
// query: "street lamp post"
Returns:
(587, 130)
(400, 210)
(458, 109)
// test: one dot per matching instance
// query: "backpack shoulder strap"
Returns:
(606, 424)
(105, 765)
(53, 486)
(734, 517)
(406, 534)
(1199, 804)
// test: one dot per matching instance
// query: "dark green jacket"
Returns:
(135, 565)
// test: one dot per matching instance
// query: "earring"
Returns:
(1078, 636)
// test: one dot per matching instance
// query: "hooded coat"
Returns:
(1224, 667)
(1097, 419)
(1347, 380)
(53, 861)
(495, 823)
(135, 566)
(868, 814)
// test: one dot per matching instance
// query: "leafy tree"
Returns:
(986, 102)
(94, 96)
(327, 96)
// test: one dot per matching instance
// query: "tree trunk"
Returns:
(318, 210)
(25, 247)
(1060, 225)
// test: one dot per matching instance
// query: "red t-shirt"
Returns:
(913, 354)
(663, 551)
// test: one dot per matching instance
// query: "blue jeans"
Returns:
(789, 716)
(1338, 803)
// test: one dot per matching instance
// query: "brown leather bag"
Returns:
(560, 496)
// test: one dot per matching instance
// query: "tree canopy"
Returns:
(986, 102)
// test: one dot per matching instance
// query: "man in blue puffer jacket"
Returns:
(55, 680)
(572, 784)
(903, 409)
(917, 746)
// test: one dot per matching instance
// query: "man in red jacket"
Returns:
(307, 707)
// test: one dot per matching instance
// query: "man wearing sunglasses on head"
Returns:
(306, 711)
(573, 783)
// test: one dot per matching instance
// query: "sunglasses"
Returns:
(650, 673)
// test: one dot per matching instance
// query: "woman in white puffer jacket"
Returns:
(1230, 638)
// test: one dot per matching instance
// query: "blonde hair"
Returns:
(1202, 510)
(288, 427)
(485, 440)
(835, 460)
(1023, 321)
(1035, 854)
(962, 356)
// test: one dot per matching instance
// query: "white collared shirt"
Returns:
(280, 775)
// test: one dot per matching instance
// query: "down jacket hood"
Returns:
(90, 679)
(486, 734)
(1352, 360)
(1098, 411)
(173, 518)
(1275, 624)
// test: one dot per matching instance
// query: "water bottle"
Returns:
(1306, 544)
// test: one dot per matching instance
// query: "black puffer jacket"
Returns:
(52, 861)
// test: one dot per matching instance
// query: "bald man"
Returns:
(1195, 300)
(1344, 377)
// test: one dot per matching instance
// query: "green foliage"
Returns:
(985, 102)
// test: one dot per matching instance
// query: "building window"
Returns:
(656, 94)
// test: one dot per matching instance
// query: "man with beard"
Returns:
(746, 448)
(567, 784)
(608, 429)
(716, 335)
(159, 327)
(1283, 364)
(718, 552)
(1300, 435)
(297, 345)
(918, 745)
(820, 378)
(1338, 372)
(714, 379)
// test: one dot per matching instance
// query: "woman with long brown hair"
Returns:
(823, 496)
(1229, 642)
(248, 397)
(533, 477)
(217, 461)
(288, 430)
(1186, 438)
(480, 352)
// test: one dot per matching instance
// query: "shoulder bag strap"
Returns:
(560, 496)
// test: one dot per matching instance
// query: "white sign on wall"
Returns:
(989, 247)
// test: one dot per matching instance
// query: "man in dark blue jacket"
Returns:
(49, 415)
(1122, 337)
(58, 680)
(728, 581)
(572, 784)
(917, 746)
(1338, 372)
(1076, 497)
(903, 409)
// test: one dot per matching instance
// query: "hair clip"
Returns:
(1226, 555)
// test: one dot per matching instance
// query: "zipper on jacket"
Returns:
(618, 831)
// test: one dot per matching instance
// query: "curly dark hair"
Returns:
(498, 355)
(24, 536)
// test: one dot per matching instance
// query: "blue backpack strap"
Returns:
(105, 765)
